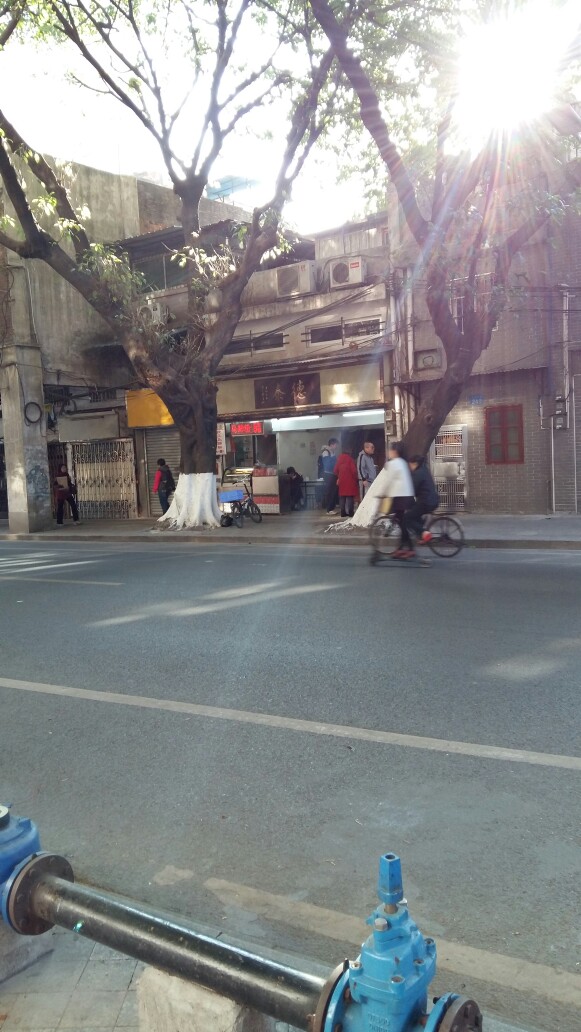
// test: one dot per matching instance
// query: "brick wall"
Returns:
(517, 488)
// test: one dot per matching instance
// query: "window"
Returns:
(326, 334)
(262, 342)
(344, 332)
(504, 434)
(239, 346)
(268, 342)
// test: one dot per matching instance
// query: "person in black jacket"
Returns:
(427, 499)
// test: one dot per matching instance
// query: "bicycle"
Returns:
(446, 540)
(240, 507)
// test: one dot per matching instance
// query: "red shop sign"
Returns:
(244, 429)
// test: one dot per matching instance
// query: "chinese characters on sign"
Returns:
(221, 439)
(288, 391)
(244, 429)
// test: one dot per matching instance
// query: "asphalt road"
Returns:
(268, 829)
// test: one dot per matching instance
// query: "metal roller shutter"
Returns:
(161, 442)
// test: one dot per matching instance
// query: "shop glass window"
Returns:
(504, 434)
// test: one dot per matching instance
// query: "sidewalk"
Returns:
(83, 987)
(561, 531)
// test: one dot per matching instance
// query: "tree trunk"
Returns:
(194, 503)
(433, 410)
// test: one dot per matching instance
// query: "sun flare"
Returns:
(509, 70)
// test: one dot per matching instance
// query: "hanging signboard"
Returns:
(221, 439)
(288, 391)
(253, 426)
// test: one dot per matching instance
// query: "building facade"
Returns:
(311, 357)
(62, 377)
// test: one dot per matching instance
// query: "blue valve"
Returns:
(19, 840)
(390, 884)
(387, 986)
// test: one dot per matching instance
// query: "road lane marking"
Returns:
(563, 987)
(60, 580)
(362, 734)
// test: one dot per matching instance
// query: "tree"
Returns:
(137, 52)
(483, 211)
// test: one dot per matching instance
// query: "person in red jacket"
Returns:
(347, 484)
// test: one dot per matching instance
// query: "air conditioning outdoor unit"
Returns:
(155, 313)
(349, 271)
(294, 280)
(429, 359)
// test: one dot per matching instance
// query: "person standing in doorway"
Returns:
(346, 473)
(366, 471)
(329, 462)
(65, 491)
(164, 484)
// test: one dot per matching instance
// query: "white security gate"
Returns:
(448, 463)
(104, 472)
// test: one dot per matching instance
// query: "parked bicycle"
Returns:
(241, 504)
(444, 536)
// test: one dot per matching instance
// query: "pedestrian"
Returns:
(297, 494)
(65, 491)
(366, 470)
(320, 467)
(164, 484)
(348, 487)
(329, 461)
(427, 499)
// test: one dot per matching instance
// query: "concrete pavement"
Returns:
(560, 531)
(236, 734)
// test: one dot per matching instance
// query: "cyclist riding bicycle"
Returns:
(427, 500)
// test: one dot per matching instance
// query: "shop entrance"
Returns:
(354, 439)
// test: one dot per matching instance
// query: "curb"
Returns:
(326, 540)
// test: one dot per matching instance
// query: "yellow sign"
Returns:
(144, 408)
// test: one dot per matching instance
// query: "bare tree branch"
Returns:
(507, 251)
(372, 119)
(70, 30)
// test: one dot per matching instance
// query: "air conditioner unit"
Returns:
(294, 280)
(429, 359)
(349, 271)
(155, 313)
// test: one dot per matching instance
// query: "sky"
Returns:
(57, 117)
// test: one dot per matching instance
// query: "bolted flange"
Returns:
(463, 1015)
(19, 890)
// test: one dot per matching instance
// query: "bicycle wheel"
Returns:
(237, 514)
(385, 535)
(254, 512)
(447, 536)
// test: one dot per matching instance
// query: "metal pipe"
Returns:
(175, 946)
